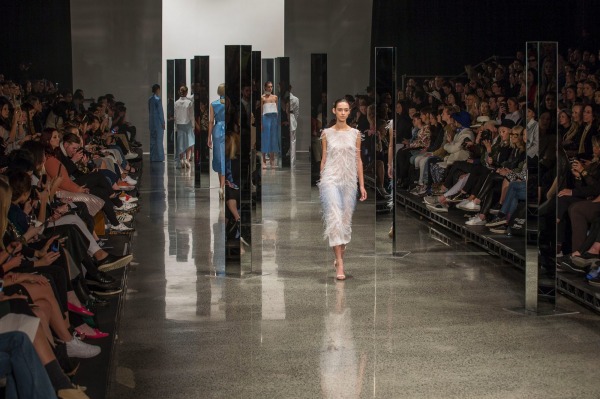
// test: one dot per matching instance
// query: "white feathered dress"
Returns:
(338, 184)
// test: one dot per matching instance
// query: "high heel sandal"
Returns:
(339, 277)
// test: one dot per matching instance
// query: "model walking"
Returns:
(216, 136)
(341, 165)
(157, 125)
(184, 121)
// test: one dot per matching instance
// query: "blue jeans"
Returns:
(270, 133)
(28, 377)
(517, 190)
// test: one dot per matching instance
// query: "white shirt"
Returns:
(294, 112)
(269, 108)
(184, 111)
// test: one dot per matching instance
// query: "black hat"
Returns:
(509, 123)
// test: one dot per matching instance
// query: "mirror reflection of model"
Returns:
(216, 136)
(184, 121)
(269, 136)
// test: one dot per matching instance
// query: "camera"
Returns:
(486, 135)
(466, 143)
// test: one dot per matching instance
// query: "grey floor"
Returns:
(432, 324)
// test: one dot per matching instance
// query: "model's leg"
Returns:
(293, 148)
(339, 262)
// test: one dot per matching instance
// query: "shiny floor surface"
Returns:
(432, 324)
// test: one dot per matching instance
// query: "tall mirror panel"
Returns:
(170, 96)
(318, 116)
(180, 79)
(238, 222)
(247, 160)
(200, 81)
(255, 129)
(550, 173)
(385, 89)
(282, 66)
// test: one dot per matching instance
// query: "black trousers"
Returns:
(100, 187)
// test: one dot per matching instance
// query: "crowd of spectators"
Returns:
(471, 144)
(66, 174)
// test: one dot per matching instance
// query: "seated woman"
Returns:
(583, 215)
(589, 252)
(36, 370)
(583, 182)
(72, 181)
(412, 148)
(422, 159)
(38, 290)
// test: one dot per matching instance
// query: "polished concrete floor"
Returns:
(431, 324)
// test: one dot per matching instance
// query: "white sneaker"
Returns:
(438, 208)
(121, 227)
(77, 348)
(127, 206)
(462, 203)
(470, 206)
(131, 155)
(431, 200)
(130, 180)
(124, 217)
(475, 221)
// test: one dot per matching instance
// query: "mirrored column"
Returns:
(180, 79)
(169, 94)
(255, 136)
(282, 73)
(318, 116)
(385, 89)
(540, 132)
(200, 82)
(238, 207)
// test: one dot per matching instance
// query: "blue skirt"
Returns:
(218, 140)
(270, 141)
(185, 137)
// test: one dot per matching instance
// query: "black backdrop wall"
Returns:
(36, 31)
(440, 36)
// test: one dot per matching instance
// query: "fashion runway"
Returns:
(429, 325)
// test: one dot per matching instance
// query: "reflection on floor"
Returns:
(429, 325)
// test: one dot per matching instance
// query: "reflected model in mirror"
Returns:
(294, 112)
(269, 135)
(184, 124)
(216, 136)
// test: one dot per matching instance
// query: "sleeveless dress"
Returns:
(338, 185)
(218, 137)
